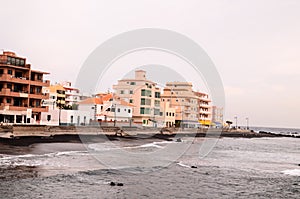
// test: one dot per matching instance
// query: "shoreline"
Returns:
(23, 135)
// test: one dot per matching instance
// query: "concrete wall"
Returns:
(67, 117)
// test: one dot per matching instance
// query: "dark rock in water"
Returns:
(194, 167)
(120, 184)
(112, 184)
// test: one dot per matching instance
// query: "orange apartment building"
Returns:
(20, 90)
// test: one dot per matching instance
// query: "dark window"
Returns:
(129, 111)
(8, 100)
(48, 118)
(9, 72)
(9, 86)
(113, 109)
(146, 93)
(118, 110)
(157, 94)
(131, 101)
(132, 83)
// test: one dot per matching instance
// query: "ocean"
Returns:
(152, 168)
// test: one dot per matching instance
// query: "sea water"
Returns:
(235, 168)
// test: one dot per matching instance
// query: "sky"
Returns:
(254, 44)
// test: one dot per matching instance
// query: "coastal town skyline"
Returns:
(259, 68)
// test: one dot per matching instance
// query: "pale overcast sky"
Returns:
(254, 44)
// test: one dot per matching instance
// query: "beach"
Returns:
(236, 167)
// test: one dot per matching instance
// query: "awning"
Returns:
(205, 122)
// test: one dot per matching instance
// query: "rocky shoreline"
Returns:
(26, 135)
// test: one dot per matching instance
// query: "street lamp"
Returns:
(247, 119)
(236, 118)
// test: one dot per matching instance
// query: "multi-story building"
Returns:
(204, 109)
(217, 116)
(167, 114)
(181, 96)
(144, 95)
(72, 94)
(20, 90)
(57, 97)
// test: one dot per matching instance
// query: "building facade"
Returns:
(20, 90)
(217, 116)
(72, 94)
(205, 109)
(144, 95)
(57, 97)
(107, 108)
(181, 97)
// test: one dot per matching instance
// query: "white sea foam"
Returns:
(293, 172)
(183, 165)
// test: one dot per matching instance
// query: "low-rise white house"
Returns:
(107, 108)
(65, 117)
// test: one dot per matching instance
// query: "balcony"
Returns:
(8, 92)
(10, 78)
(22, 108)
(45, 83)
(39, 95)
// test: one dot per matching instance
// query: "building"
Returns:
(72, 95)
(20, 90)
(183, 99)
(217, 116)
(204, 109)
(144, 95)
(56, 117)
(167, 114)
(57, 97)
(107, 108)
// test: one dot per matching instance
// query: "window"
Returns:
(156, 111)
(8, 100)
(129, 111)
(38, 90)
(131, 101)
(173, 114)
(72, 118)
(9, 72)
(119, 110)
(121, 92)
(156, 103)
(48, 118)
(113, 109)
(146, 93)
(9, 86)
(167, 113)
(157, 94)
(144, 110)
(145, 101)
(131, 92)
(132, 83)
(37, 103)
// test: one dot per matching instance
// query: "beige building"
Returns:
(205, 109)
(144, 95)
(181, 97)
(56, 98)
(217, 116)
